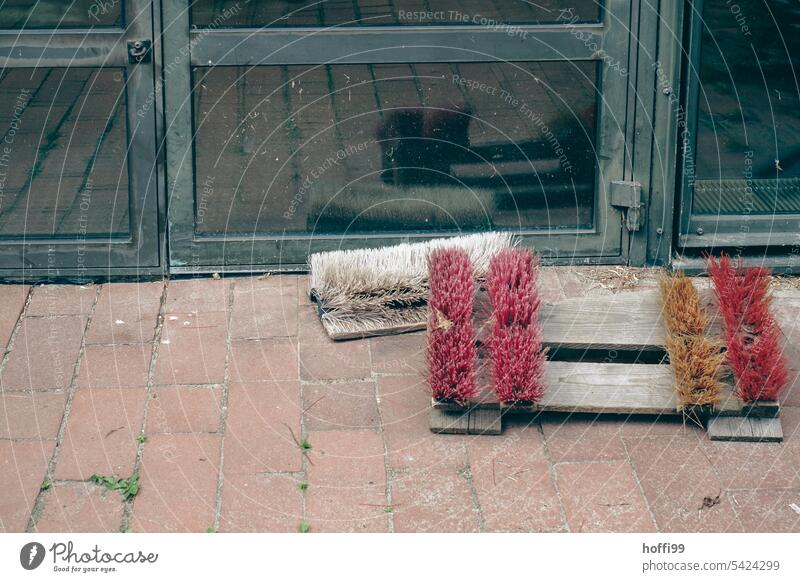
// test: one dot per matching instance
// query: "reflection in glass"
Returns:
(394, 147)
(747, 158)
(36, 14)
(297, 13)
(63, 153)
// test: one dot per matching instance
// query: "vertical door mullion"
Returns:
(142, 160)
(611, 150)
(658, 120)
(179, 165)
(688, 143)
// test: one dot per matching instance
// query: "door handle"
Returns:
(139, 51)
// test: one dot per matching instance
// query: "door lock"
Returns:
(139, 51)
(627, 195)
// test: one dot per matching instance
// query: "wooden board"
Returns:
(625, 321)
(449, 422)
(609, 388)
(628, 321)
(762, 408)
(372, 329)
(349, 328)
(475, 421)
(600, 388)
(592, 387)
(732, 406)
(745, 429)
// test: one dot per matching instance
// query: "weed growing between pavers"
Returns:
(128, 488)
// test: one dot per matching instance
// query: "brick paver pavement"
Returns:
(227, 403)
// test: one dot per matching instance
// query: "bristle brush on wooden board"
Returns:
(382, 291)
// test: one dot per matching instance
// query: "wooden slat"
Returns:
(762, 408)
(449, 422)
(602, 388)
(487, 401)
(628, 321)
(745, 429)
(732, 406)
(372, 329)
(592, 387)
(609, 388)
(595, 388)
(485, 421)
(476, 421)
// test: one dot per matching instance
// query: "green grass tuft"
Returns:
(128, 488)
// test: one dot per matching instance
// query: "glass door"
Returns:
(741, 154)
(298, 125)
(77, 138)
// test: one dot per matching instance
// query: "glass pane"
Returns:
(748, 135)
(63, 154)
(33, 14)
(394, 147)
(492, 13)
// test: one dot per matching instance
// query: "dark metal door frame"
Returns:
(185, 47)
(95, 258)
(657, 114)
(698, 231)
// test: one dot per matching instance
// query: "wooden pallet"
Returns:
(624, 326)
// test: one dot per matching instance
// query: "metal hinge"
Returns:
(628, 195)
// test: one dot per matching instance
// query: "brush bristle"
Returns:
(751, 332)
(403, 266)
(451, 335)
(359, 289)
(696, 359)
(515, 343)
